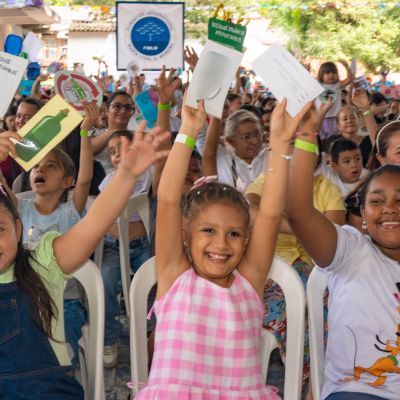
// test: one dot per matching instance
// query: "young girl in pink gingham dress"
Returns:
(211, 273)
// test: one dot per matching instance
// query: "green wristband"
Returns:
(84, 133)
(185, 139)
(306, 146)
(367, 112)
(162, 106)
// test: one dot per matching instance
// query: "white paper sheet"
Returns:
(213, 76)
(12, 69)
(286, 77)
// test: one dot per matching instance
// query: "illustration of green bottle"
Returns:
(79, 92)
(40, 135)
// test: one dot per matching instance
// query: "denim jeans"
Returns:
(74, 319)
(352, 396)
(139, 252)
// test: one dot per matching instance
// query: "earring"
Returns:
(364, 224)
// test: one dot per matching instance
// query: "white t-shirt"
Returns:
(230, 167)
(364, 292)
(344, 187)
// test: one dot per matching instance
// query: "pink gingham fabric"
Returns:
(207, 343)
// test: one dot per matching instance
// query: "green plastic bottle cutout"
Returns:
(40, 135)
(79, 92)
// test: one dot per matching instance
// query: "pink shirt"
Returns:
(207, 343)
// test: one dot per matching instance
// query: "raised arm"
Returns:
(75, 246)
(349, 77)
(85, 173)
(361, 101)
(166, 86)
(209, 160)
(171, 258)
(315, 232)
(36, 86)
(261, 246)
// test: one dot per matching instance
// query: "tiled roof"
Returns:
(93, 26)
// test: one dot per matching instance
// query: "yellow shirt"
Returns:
(46, 266)
(327, 197)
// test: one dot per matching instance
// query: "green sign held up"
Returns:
(226, 33)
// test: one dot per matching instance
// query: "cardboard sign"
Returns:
(212, 77)
(146, 106)
(151, 33)
(286, 77)
(226, 33)
(76, 88)
(12, 69)
(45, 130)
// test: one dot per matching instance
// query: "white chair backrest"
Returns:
(29, 194)
(316, 286)
(280, 272)
(137, 204)
(90, 278)
(142, 282)
(293, 289)
(98, 253)
(17, 184)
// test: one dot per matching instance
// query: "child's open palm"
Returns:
(283, 127)
(141, 153)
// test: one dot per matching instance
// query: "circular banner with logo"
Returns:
(77, 88)
(151, 33)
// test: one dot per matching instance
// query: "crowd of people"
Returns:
(320, 189)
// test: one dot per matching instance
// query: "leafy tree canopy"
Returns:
(368, 30)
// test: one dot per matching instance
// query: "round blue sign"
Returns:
(150, 36)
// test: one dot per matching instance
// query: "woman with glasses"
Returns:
(243, 155)
(120, 109)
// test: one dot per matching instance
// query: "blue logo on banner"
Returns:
(150, 36)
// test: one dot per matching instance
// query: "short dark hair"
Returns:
(32, 101)
(118, 93)
(254, 109)
(122, 133)
(377, 98)
(339, 146)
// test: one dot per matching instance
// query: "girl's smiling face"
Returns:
(392, 155)
(10, 234)
(381, 213)
(217, 235)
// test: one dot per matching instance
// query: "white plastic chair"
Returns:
(17, 184)
(316, 286)
(280, 272)
(137, 204)
(92, 340)
(29, 194)
(98, 253)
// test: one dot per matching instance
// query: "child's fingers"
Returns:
(201, 106)
(171, 74)
(280, 107)
(139, 130)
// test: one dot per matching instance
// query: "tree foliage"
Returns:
(368, 31)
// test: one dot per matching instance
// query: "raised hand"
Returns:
(191, 57)
(92, 113)
(7, 145)
(283, 127)
(137, 156)
(166, 85)
(193, 119)
(360, 100)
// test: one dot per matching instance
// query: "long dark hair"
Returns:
(43, 307)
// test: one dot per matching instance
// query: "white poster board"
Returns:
(12, 69)
(150, 33)
(213, 76)
(286, 77)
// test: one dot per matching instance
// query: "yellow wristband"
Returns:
(367, 112)
(84, 133)
(306, 146)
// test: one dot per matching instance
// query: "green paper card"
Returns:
(45, 130)
(226, 33)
